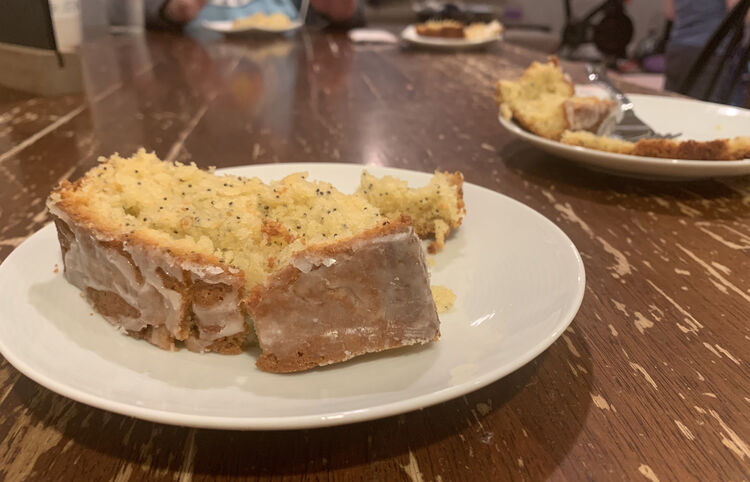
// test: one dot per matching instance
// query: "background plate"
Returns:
(518, 278)
(696, 120)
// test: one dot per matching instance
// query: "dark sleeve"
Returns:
(154, 12)
(356, 20)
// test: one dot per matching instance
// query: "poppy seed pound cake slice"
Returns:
(178, 255)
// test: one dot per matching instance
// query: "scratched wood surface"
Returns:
(650, 382)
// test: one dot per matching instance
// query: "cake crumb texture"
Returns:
(543, 101)
(434, 210)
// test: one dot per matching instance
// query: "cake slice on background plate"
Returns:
(543, 101)
(441, 28)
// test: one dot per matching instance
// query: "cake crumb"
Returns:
(430, 261)
(434, 210)
(444, 298)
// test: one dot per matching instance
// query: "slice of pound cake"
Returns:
(441, 28)
(543, 101)
(180, 256)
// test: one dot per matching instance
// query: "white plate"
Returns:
(518, 278)
(410, 35)
(227, 27)
(696, 120)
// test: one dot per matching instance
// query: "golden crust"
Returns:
(698, 150)
(600, 143)
(716, 150)
(739, 147)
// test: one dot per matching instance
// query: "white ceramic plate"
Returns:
(518, 278)
(227, 27)
(694, 119)
(409, 34)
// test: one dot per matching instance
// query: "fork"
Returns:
(629, 126)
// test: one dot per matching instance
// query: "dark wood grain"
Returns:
(650, 382)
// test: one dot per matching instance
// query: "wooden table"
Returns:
(649, 382)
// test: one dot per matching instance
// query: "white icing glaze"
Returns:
(90, 264)
(220, 319)
(390, 306)
(585, 116)
(306, 261)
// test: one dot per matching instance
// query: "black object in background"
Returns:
(432, 10)
(714, 78)
(27, 23)
(606, 25)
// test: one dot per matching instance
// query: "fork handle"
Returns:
(598, 74)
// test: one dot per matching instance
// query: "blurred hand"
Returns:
(183, 11)
(336, 10)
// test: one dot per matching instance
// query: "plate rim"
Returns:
(322, 419)
(211, 25)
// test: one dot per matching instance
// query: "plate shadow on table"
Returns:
(657, 196)
(486, 429)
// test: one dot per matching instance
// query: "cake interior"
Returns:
(240, 222)
(537, 98)
(434, 209)
(543, 101)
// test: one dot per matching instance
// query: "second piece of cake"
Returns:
(543, 101)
